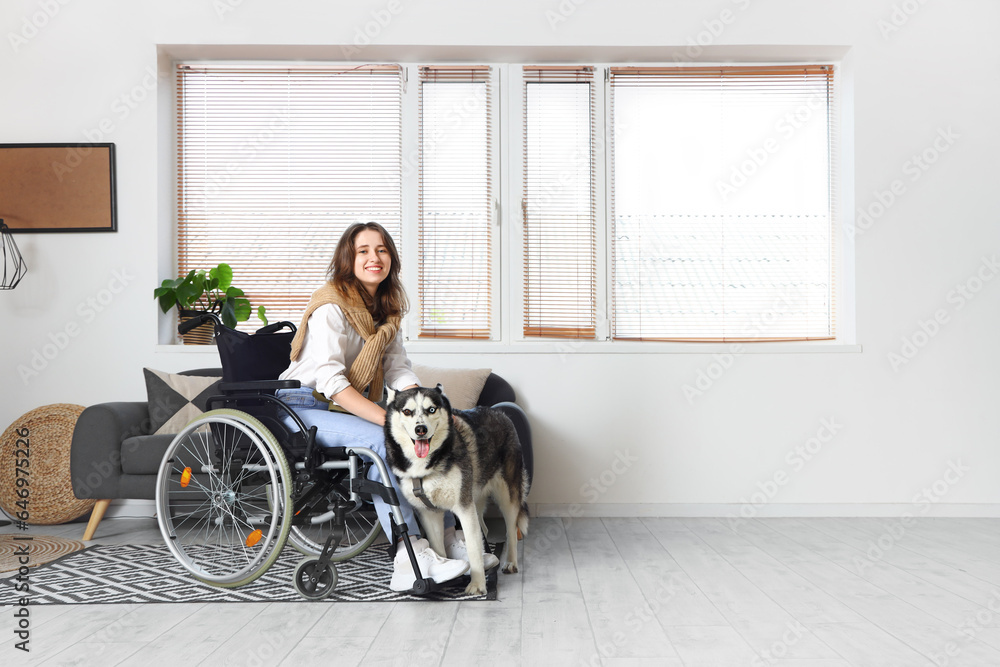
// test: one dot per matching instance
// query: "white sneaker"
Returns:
(431, 565)
(457, 550)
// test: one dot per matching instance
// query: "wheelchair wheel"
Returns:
(361, 529)
(223, 498)
(313, 582)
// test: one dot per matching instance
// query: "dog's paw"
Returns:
(476, 588)
(510, 568)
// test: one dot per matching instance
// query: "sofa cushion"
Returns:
(462, 386)
(174, 400)
(141, 454)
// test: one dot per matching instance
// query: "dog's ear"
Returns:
(445, 403)
(390, 395)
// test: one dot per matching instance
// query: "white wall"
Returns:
(897, 429)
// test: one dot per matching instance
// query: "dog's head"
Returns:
(419, 419)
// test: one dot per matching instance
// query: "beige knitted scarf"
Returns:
(366, 371)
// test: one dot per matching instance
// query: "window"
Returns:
(722, 212)
(456, 203)
(274, 163)
(588, 202)
(559, 216)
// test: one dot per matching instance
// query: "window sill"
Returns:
(578, 347)
(179, 348)
(553, 346)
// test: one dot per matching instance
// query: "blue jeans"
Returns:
(339, 429)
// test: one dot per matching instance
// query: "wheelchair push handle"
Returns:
(202, 318)
(276, 327)
(197, 321)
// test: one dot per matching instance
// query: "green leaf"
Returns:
(224, 274)
(228, 315)
(167, 300)
(197, 283)
(187, 294)
(211, 291)
(241, 308)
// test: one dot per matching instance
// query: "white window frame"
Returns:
(411, 195)
(507, 316)
(512, 234)
(514, 110)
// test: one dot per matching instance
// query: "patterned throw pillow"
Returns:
(174, 400)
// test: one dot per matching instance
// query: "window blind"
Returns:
(274, 163)
(456, 203)
(558, 203)
(723, 191)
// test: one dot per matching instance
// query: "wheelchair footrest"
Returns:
(424, 586)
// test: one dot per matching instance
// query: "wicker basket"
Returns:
(203, 334)
(44, 549)
(48, 431)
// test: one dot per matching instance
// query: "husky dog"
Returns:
(456, 460)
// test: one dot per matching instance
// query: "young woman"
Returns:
(347, 347)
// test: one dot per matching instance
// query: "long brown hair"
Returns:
(390, 297)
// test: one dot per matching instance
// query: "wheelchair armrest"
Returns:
(258, 385)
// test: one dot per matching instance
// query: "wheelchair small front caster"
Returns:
(314, 582)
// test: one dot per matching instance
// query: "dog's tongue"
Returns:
(423, 447)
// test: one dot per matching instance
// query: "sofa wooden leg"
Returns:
(95, 518)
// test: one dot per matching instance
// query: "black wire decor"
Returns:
(14, 267)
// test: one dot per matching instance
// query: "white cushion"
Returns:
(462, 386)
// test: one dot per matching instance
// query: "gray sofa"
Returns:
(113, 456)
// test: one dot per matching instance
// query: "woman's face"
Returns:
(371, 259)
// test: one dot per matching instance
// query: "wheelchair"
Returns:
(238, 483)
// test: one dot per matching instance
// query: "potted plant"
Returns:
(203, 291)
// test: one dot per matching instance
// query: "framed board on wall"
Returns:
(58, 187)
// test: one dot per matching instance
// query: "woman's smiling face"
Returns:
(371, 260)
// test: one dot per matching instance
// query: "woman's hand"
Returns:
(354, 402)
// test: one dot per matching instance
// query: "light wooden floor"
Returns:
(691, 592)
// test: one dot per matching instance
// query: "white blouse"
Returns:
(330, 347)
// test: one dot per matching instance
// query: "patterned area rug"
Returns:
(138, 573)
(35, 549)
